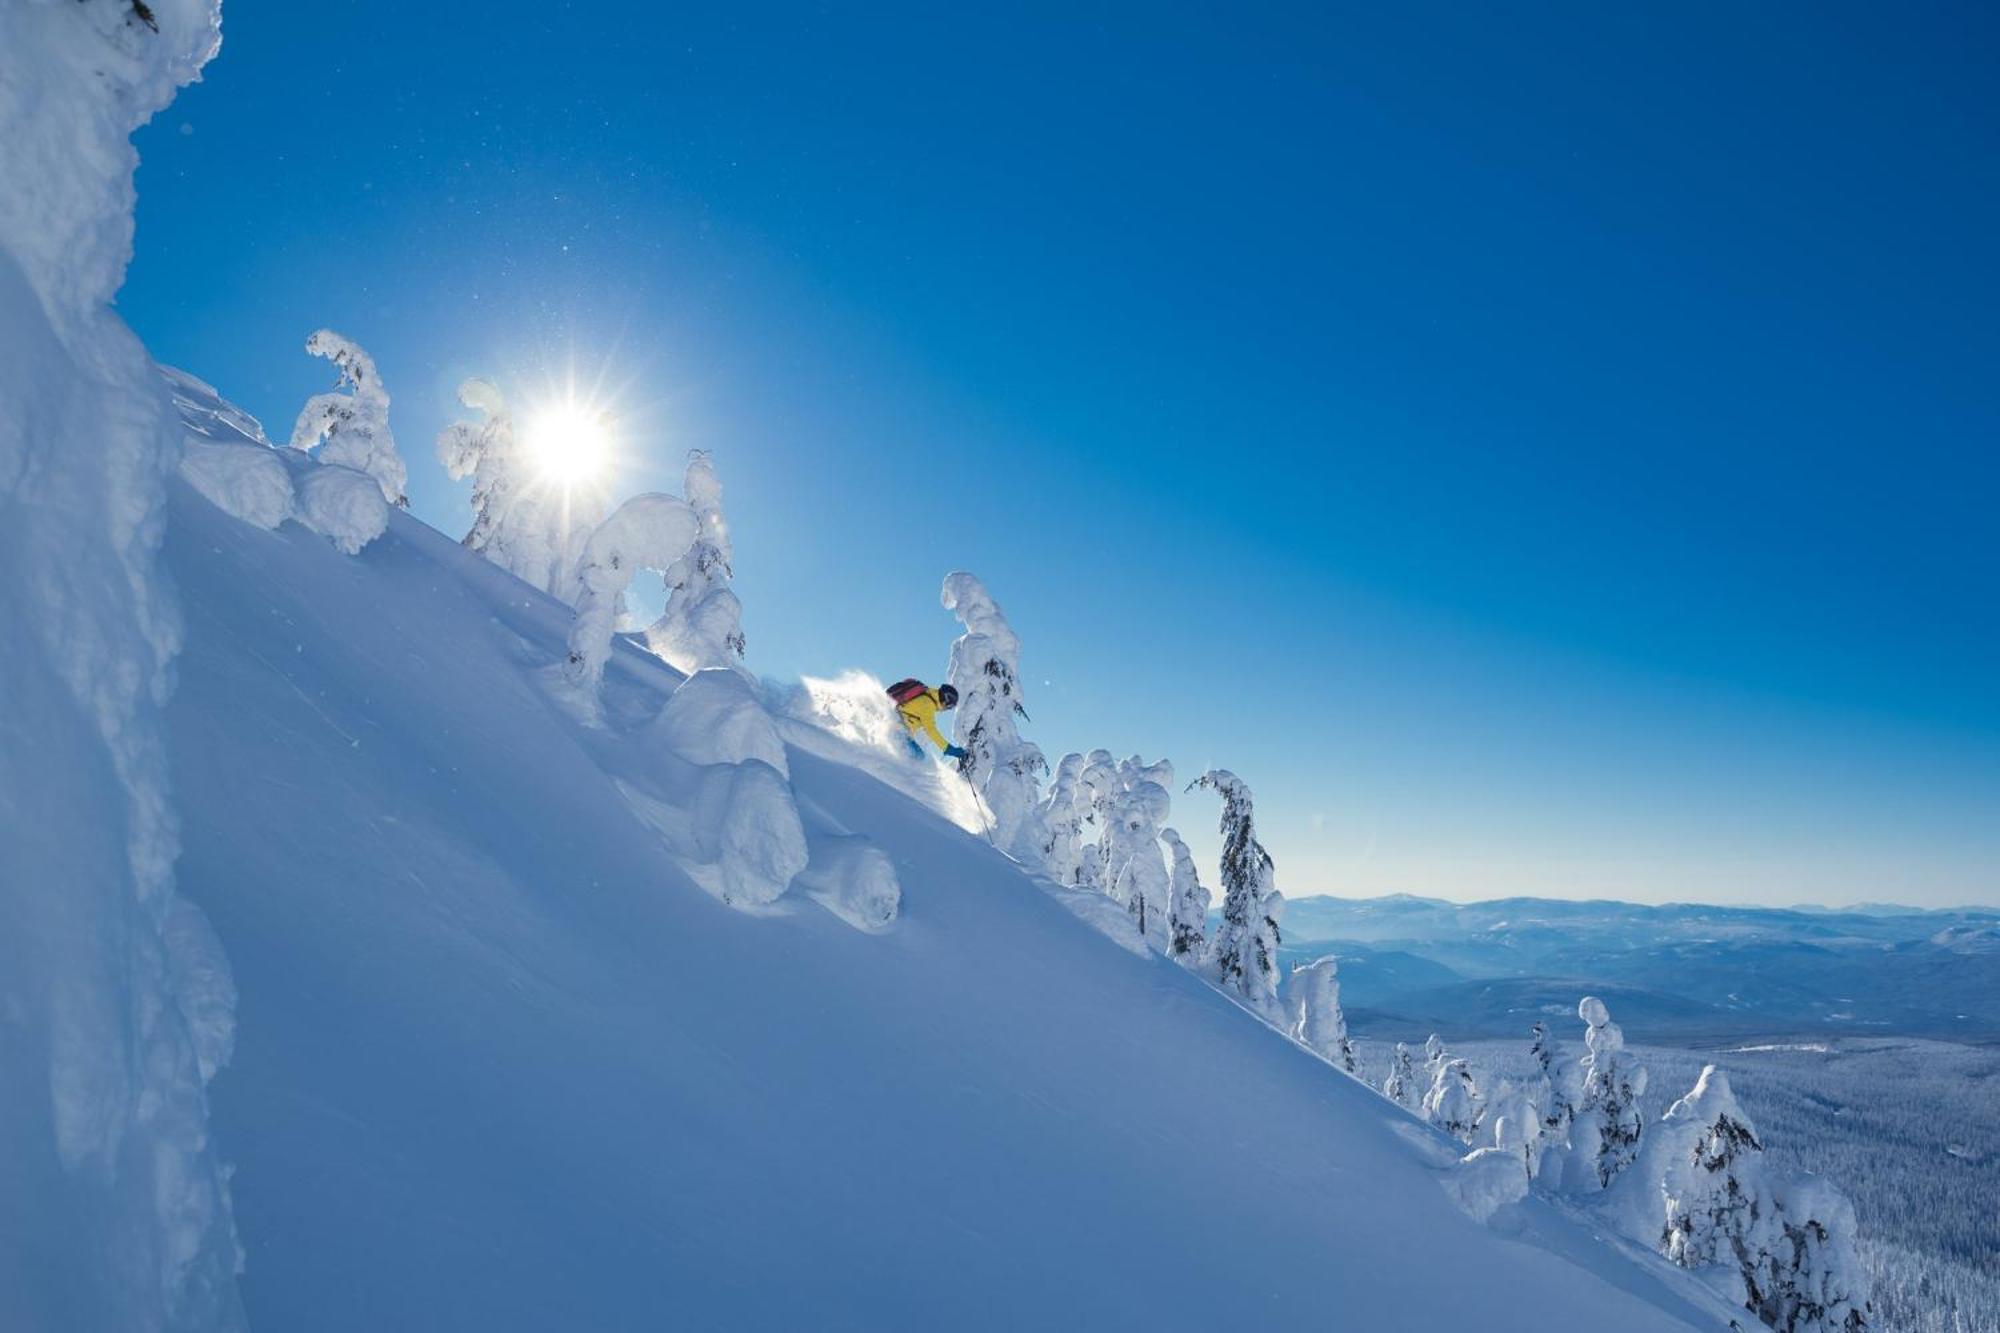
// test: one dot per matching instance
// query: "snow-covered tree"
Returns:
(1187, 907)
(1097, 788)
(702, 625)
(1059, 823)
(1780, 1250)
(1243, 956)
(1547, 1094)
(351, 428)
(1135, 868)
(342, 505)
(1402, 1086)
(1815, 1283)
(986, 671)
(513, 516)
(1711, 1184)
(741, 837)
(1604, 1134)
(531, 526)
(116, 1208)
(1312, 1003)
(1434, 1058)
(646, 532)
(1516, 1131)
(1453, 1102)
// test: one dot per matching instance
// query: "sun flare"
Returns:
(570, 443)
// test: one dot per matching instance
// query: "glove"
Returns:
(953, 752)
(916, 750)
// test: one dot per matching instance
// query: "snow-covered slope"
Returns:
(501, 1064)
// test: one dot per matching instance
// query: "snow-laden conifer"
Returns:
(1516, 1129)
(1781, 1250)
(702, 624)
(1135, 867)
(1312, 1004)
(1453, 1102)
(351, 428)
(1434, 1058)
(1243, 956)
(646, 532)
(1401, 1084)
(1605, 1131)
(1059, 819)
(1097, 788)
(1187, 910)
(512, 515)
(1546, 1092)
(985, 669)
(1816, 1282)
(1714, 1197)
(1546, 1085)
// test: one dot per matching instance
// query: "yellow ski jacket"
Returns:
(920, 714)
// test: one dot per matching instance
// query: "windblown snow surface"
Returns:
(501, 1064)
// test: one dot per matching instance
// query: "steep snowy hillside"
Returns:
(502, 1064)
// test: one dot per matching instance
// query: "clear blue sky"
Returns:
(1544, 449)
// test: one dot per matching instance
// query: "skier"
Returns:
(918, 705)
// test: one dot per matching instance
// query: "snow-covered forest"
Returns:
(1905, 1125)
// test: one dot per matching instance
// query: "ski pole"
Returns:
(985, 824)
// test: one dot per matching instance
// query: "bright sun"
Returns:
(570, 443)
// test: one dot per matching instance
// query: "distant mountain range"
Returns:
(1681, 970)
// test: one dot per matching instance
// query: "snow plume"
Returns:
(1243, 956)
(1702, 1193)
(849, 718)
(1604, 1136)
(351, 429)
(702, 624)
(1312, 1002)
(116, 1212)
(1135, 870)
(986, 670)
(851, 706)
(1401, 1085)
(1187, 906)
(648, 531)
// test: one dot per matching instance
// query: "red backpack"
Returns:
(905, 690)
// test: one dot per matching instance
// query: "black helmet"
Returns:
(947, 696)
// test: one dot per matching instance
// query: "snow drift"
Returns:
(114, 1000)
